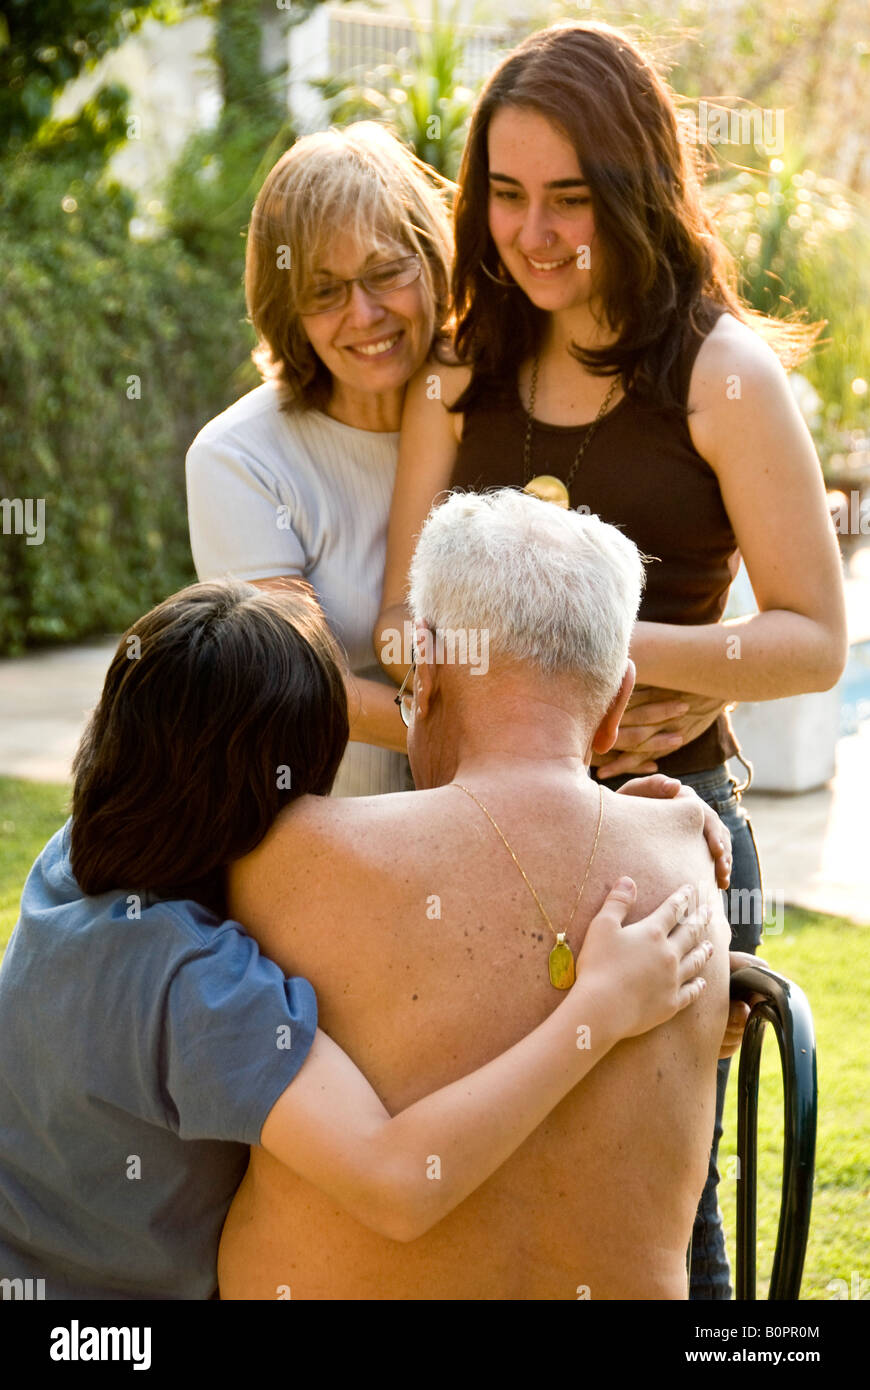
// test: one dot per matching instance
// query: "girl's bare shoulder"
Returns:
(732, 347)
(447, 377)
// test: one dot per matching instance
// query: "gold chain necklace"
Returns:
(545, 486)
(561, 959)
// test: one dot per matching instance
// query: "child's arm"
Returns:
(330, 1127)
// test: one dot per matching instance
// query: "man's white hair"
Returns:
(555, 588)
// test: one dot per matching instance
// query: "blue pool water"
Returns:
(855, 689)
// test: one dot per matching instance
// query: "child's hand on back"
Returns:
(652, 968)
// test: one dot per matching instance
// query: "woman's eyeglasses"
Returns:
(380, 280)
(405, 698)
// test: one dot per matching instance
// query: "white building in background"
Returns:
(174, 87)
(174, 91)
(353, 39)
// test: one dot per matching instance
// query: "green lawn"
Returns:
(827, 956)
(30, 812)
(830, 959)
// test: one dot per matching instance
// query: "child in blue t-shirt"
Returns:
(144, 1040)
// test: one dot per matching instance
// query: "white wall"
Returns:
(173, 92)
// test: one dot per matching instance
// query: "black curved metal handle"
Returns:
(784, 1005)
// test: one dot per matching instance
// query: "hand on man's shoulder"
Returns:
(665, 843)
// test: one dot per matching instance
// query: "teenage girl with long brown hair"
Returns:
(603, 358)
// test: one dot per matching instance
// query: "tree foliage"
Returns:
(419, 96)
(115, 350)
(211, 189)
(44, 46)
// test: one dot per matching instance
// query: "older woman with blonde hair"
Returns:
(347, 274)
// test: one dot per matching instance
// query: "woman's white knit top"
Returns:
(274, 493)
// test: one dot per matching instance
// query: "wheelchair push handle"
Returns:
(784, 1005)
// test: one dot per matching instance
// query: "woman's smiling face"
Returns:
(373, 344)
(540, 210)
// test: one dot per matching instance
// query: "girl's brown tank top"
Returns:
(642, 473)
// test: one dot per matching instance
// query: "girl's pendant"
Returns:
(549, 489)
(561, 964)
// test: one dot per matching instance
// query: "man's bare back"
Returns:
(429, 957)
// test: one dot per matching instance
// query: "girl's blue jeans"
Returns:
(709, 1274)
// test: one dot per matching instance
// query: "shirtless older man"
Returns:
(378, 902)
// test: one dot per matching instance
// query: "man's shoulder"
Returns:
(321, 857)
(665, 837)
(681, 815)
(333, 819)
(329, 823)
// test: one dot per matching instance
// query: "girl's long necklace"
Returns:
(545, 486)
(561, 958)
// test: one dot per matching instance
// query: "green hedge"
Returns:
(116, 350)
(85, 309)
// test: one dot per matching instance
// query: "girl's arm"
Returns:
(747, 426)
(427, 454)
(400, 1176)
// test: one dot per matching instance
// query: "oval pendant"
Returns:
(549, 489)
(561, 964)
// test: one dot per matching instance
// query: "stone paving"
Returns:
(45, 698)
(814, 846)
